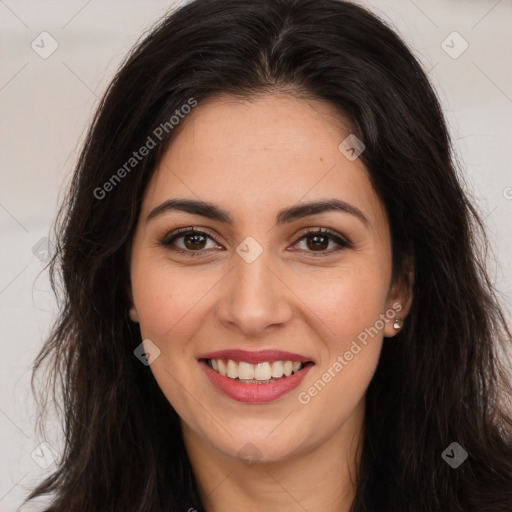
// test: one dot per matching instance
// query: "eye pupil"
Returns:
(198, 240)
(319, 242)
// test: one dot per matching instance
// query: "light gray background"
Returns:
(46, 105)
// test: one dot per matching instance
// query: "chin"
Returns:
(251, 448)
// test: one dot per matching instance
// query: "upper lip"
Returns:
(250, 356)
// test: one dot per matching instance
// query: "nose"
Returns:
(254, 297)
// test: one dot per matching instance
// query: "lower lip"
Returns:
(254, 393)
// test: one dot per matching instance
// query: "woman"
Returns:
(274, 298)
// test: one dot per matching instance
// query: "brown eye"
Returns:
(194, 241)
(189, 241)
(319, 241)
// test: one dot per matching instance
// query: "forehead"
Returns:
(261, 154)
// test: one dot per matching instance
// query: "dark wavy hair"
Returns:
(442, 379)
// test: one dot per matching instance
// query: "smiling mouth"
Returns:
(259, 373)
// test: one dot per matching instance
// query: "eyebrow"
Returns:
(284, 216)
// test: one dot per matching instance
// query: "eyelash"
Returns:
(170, 238)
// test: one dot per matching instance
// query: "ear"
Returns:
(399, 300)
(134, 316)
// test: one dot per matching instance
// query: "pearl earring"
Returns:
(398, 323)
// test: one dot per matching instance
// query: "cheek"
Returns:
(169, 305)
(168, 300)
(352, 351)
(352, 308)
(352, 303)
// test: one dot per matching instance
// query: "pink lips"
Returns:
(254, 393)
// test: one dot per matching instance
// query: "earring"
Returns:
(399, 322)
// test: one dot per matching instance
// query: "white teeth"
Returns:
(245, 370)
(232, 370)
(260, 371)
(277, 369)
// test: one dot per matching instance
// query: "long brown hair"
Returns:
(440, 380)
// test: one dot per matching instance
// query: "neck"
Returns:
(322, 478)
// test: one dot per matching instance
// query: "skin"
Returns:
(252, 159)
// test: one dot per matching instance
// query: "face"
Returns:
(255, 283)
